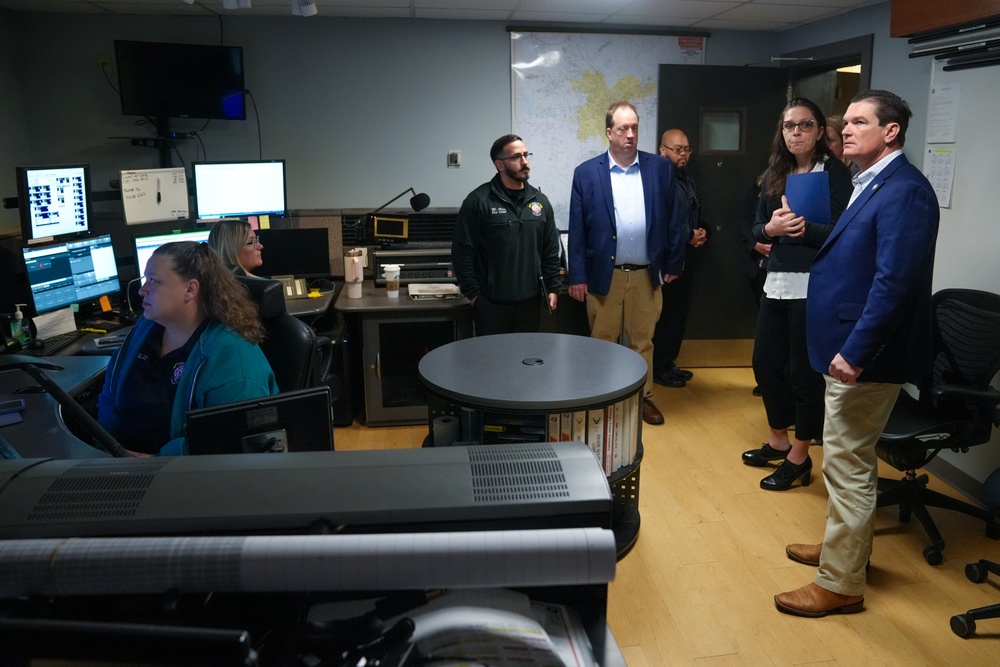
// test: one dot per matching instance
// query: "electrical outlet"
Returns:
(106, 62)
(454, 158)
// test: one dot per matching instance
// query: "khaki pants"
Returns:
(855, 417)
(633, 306)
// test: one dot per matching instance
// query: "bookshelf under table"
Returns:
(534, 387)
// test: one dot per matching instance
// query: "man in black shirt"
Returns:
(506, 247)
(674, 146)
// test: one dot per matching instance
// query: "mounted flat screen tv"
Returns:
(164, 80)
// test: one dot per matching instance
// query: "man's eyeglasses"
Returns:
(252, 242)
(680, 150)
(517, 156)
(804, 125)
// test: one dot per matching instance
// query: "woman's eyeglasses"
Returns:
(804, 125)
(254, 242)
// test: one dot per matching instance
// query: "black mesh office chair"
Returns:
(957, 409)
(964, 625)
(299, 358)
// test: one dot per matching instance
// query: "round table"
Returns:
(549, 374)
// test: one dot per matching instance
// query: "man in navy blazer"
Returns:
(625, 240)
(868, 323)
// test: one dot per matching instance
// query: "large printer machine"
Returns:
(181, 553)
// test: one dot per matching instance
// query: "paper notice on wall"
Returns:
(939, 168)
(942, 116)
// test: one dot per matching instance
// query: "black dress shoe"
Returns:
(681, 373)
(668, 379)
(786, 475)
(765, 454)
(756, 391)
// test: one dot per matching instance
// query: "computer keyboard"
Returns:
(53, 344)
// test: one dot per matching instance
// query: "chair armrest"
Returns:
(321, 375)
(956, 392)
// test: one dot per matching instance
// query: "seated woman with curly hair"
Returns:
(195, 346)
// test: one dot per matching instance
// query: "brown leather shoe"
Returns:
(807, 554)
(650, 413)
(815, 602)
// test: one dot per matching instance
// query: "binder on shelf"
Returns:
(553, 427)
(595, 433)
(580, 426)
(609, 439)
(566, 426)
(619, 440)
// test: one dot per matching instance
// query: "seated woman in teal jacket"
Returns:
(195, 346)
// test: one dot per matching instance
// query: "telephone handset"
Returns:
(295, 288)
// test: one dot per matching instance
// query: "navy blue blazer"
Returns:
(870, 286)
(592, 230)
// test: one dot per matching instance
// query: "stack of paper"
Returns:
(420, 291)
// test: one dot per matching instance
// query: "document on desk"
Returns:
(57, 322)
(474, 559)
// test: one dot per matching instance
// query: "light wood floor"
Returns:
(698, 587)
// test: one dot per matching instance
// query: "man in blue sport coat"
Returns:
(868, 323)
(625, 240)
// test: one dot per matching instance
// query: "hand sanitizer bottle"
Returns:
(17, 330)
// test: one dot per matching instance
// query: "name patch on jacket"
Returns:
(177, 372)
(536, 208)
(498, 210)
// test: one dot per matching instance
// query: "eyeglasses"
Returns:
(804, 125)
(517, 156)
(253, 242)
(680, 150)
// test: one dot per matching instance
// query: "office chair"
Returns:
(964, 625)
(299, 358)
(957, 409)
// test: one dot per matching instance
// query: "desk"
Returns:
(43, 433)
(514, 387)
(393, 335)
(308, 307)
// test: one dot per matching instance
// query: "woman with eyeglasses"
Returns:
(237, 244)
(791, 390)
(195, 346)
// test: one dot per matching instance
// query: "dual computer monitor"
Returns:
(66, 264)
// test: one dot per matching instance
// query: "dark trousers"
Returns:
(792, 391)
(490, 317)
(669, 331)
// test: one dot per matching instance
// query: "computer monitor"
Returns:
(145, 245)
(304, 253)
(239, 189)
(294, 421)
(162, 80)
(73, 272)
(54, 202)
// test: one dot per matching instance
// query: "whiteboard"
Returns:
(154, 195)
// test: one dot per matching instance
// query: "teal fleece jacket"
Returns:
(222, 368)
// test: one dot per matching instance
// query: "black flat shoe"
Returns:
(764, 455)
(786, 474)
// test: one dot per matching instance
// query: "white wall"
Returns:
(361, 109)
